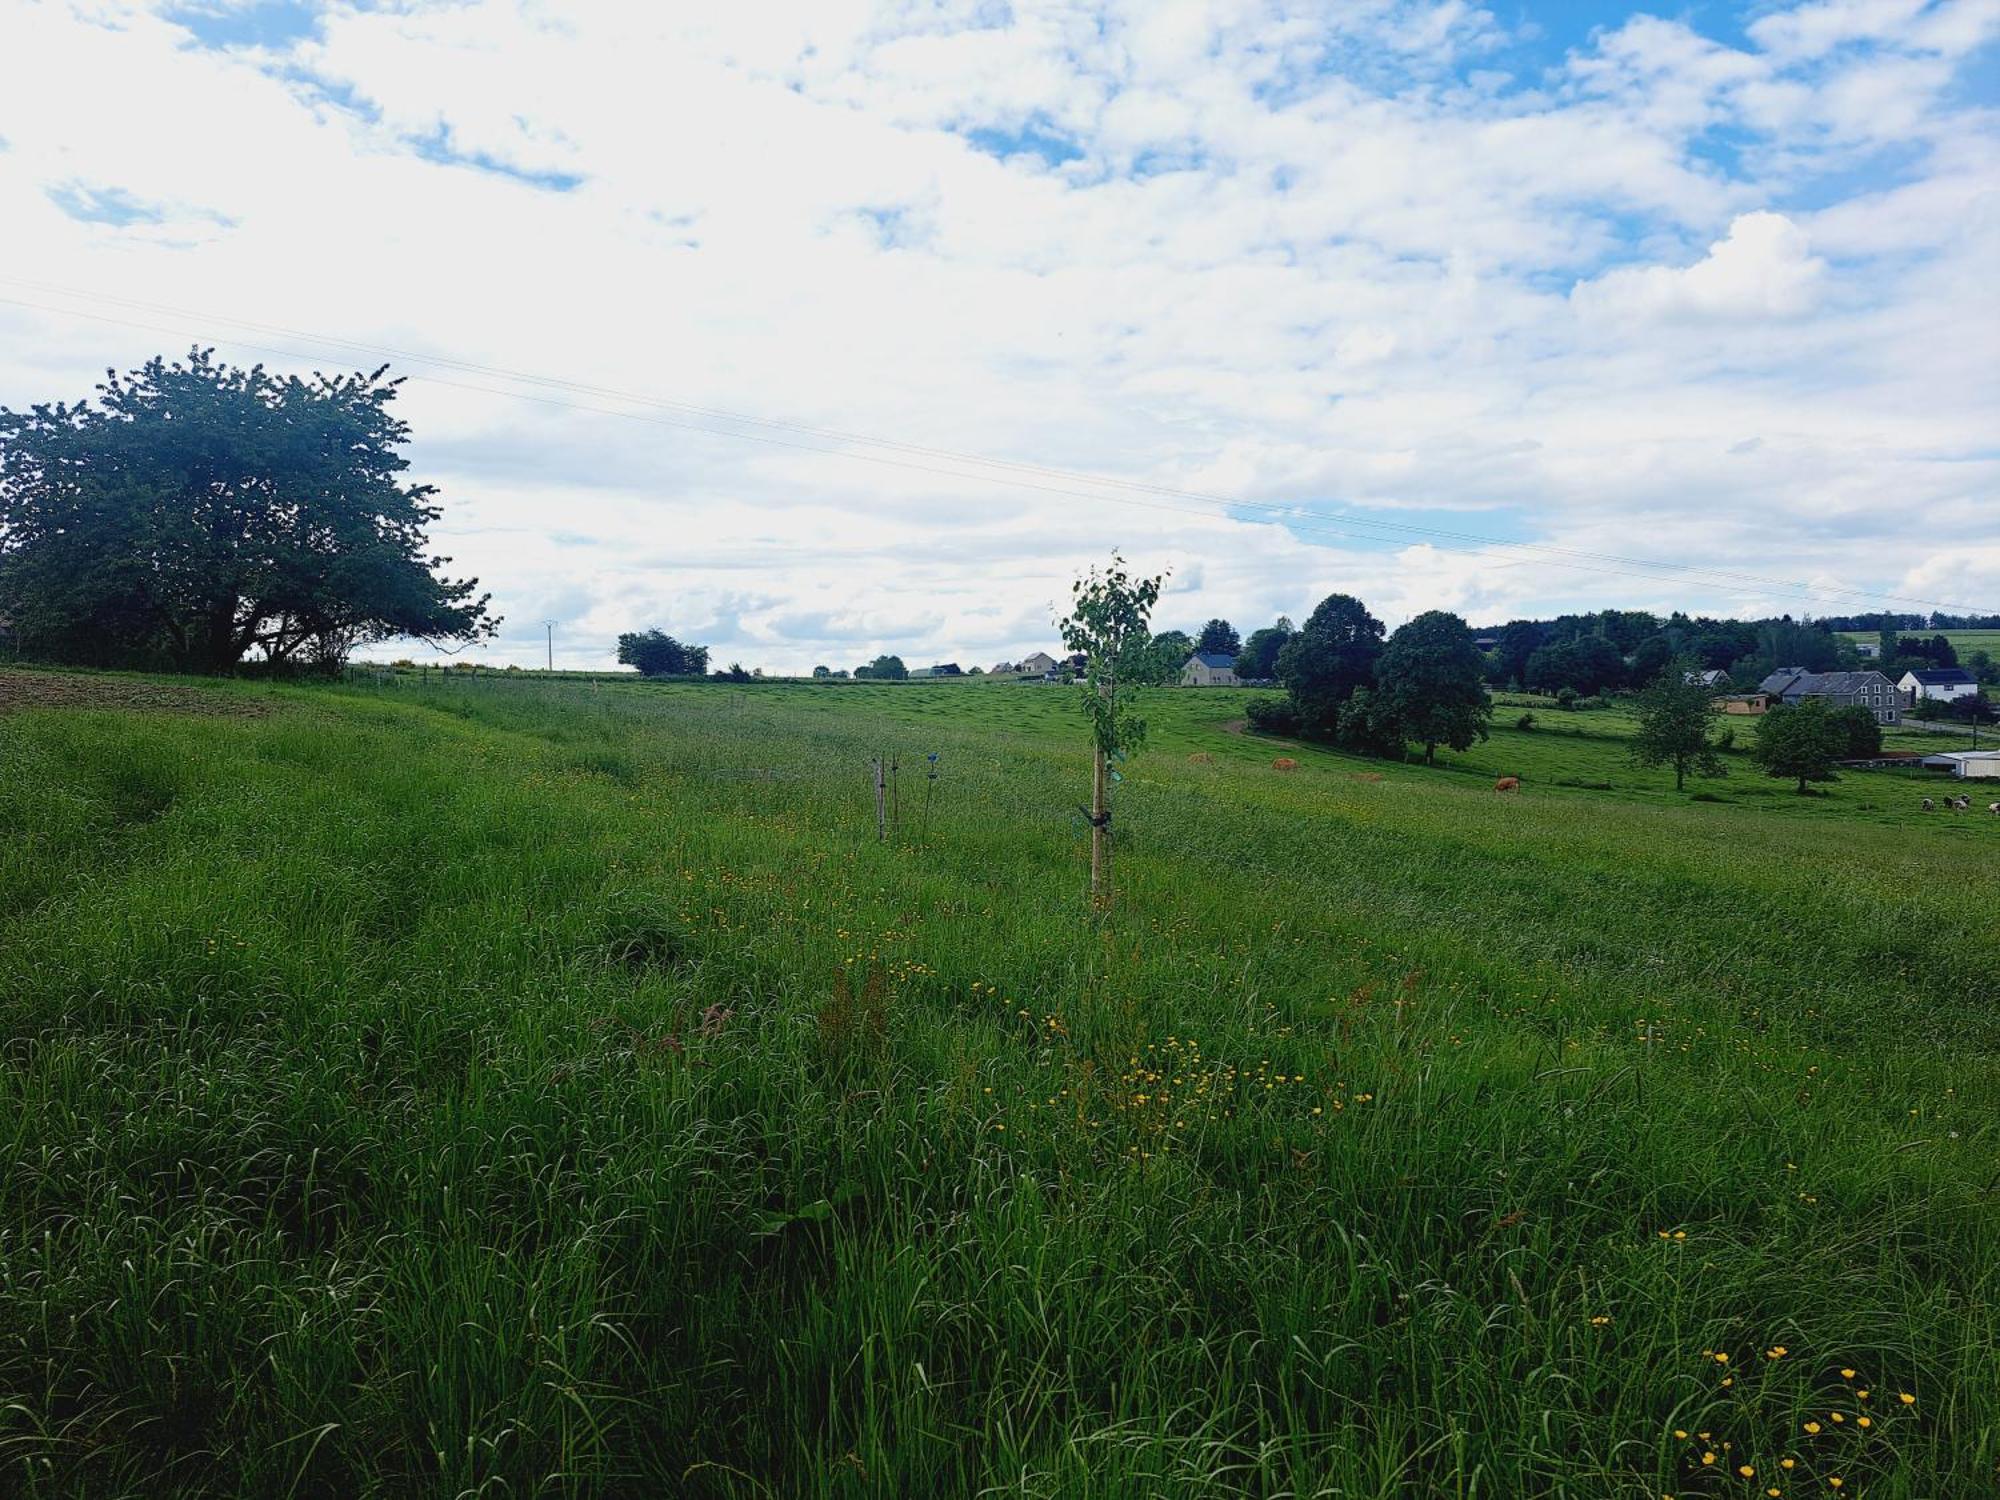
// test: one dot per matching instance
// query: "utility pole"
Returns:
(550, 627)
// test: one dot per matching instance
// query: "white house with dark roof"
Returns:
(1942, 683)
(1210, 669)
(1037, 665)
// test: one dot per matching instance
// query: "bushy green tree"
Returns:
(1155, 660)
(198, 512)
(1258, 659)
(890, 668)
(1430, 684)
(1322, 665)
(657, 654)
(1799, 741)
(1676, 712)
(1220, 637)
(1860, 731)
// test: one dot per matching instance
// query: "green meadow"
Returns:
(556, 1089)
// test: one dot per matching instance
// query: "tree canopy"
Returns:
(890, 667)
(1676, 710)
(1259, 657)
(657, 654)
(1800, 741)
(198, 512)
(1324, 663)
(1431, 685)
(1220, 637)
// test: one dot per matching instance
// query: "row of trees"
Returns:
(1348, 683)
(1804, 741)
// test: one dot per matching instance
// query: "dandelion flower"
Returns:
(1746, 1471)
(1599, 1321)
(1846, 1374)
(1680, 1432)
(1907, 1399)
(1860, 1395)
(1836, 1482)
(1836, 1416)
(1813, 1428)
(1721, 1359)
(1787, 1463)
(1863, 1422)
(1708, 1458)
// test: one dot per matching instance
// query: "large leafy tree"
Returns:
(1431, 684)
(891, 668)
(1676, 711)
(197, 513)
(1220, 637)
(657, 654)
(1800, 741)
(1259, 657)
(1155, 660)
(1325, 662)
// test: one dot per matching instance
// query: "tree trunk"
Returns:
(1430, 752)
(1100, 832)
(1680, 775)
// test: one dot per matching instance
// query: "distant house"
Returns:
(1038, 665)
(916, 672)
(1001, 669)
(1744, 703)
(1980, 763)
(946, 669)
(1870, 690)
(1715, 677)
(1868, 650)
(1209, 669)
(1942, 683)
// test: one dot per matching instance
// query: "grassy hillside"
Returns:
(521, 1089)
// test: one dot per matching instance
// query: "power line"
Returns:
(1547, 554)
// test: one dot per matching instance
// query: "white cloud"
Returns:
(1763, 268)
(1661, 295)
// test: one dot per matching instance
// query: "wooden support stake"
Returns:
(881, 824)
(1100, 833)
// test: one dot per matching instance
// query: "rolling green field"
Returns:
(520, 1089)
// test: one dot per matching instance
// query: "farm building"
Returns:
(1744, 703)
(1715, 678)
(1871, 690)
(1966, 763)
(1040, 664)
(1943, 684)
(1209, 669)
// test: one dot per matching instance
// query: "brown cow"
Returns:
(1507, 784)
(1284, 763)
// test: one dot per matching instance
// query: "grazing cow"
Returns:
(1994, 808)
(1284, 763)
(1507, 784)
(1929, 806)
(1960, 804)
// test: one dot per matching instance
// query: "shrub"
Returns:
(1567, 698)
(1526, 721)
(1272, 716)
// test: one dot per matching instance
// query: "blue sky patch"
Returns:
(437, 147)
(275, 24)
(102, 205)
(1035, 138)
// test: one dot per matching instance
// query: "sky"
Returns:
(812, 331)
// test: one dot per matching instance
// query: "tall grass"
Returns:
(527, 1089)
